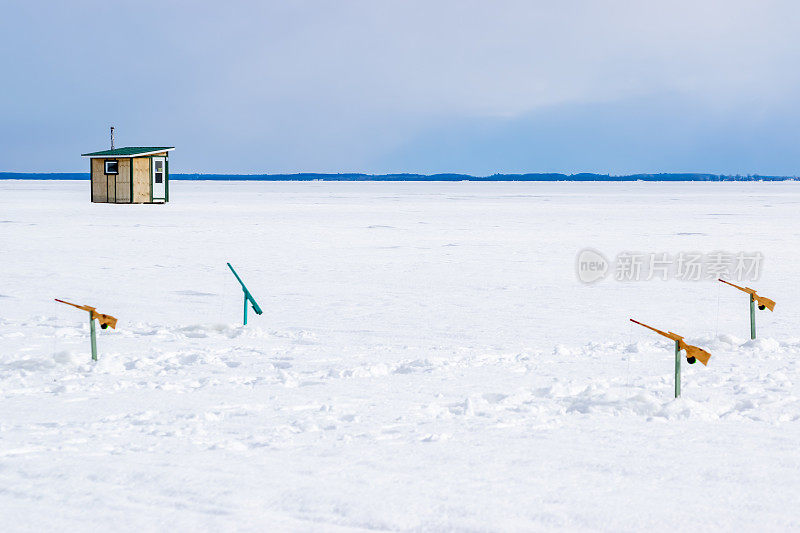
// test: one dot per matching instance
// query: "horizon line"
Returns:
(411, 176)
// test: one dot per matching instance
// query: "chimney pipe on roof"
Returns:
(112, 137)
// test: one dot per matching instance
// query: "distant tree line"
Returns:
(310, 176)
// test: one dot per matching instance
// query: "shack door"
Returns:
(159, 180)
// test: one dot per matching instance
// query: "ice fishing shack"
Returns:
(132, 175)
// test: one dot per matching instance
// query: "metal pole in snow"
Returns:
(677, 369)
(247, 296)
(105, 321)
(752, 317)
(94, 337)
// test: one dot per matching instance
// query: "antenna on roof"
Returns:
(112, 137)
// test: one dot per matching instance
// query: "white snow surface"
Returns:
(427, 360)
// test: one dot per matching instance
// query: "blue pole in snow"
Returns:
(247, 296)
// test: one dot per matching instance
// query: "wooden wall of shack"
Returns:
(134, 177)
(141, 179)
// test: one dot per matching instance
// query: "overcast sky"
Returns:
(405, 86)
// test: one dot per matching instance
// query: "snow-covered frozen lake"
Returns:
(427, 359)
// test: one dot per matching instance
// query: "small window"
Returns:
(112, 167)
(159, 165)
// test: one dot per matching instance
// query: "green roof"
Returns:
(129, 151)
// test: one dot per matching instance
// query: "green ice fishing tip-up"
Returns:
(248, 298)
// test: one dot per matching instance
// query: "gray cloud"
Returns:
(293, 86)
